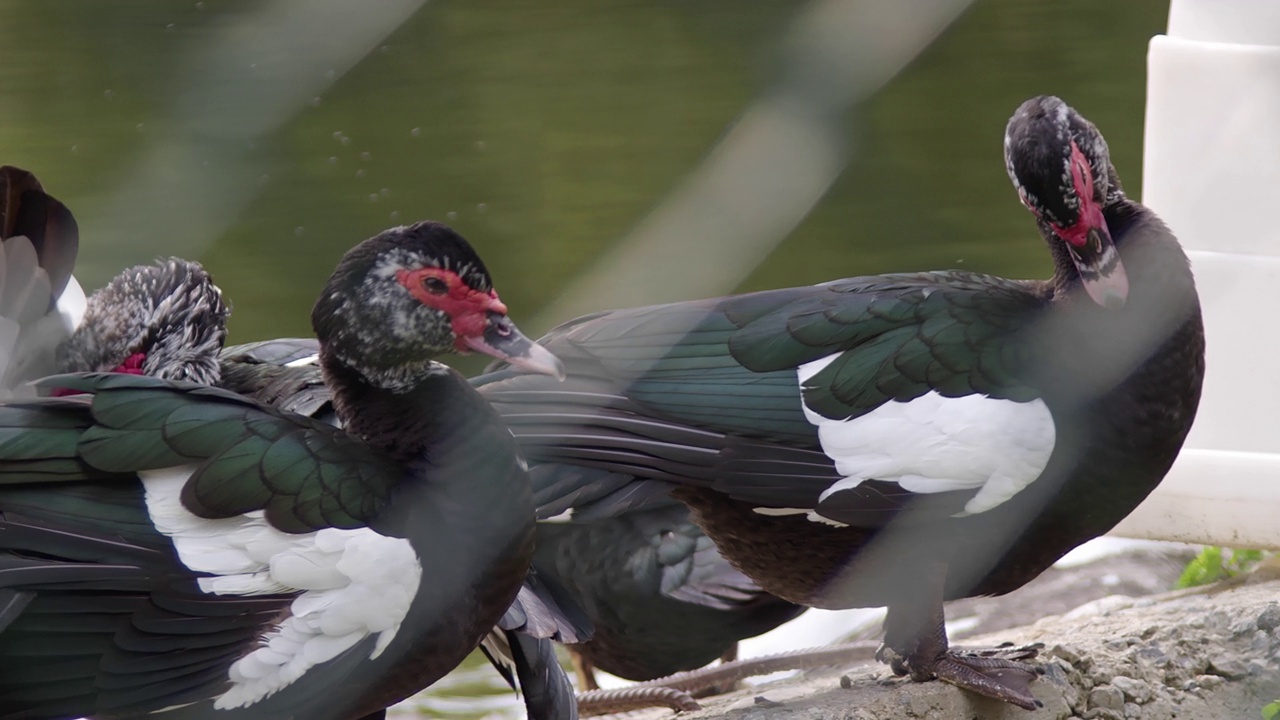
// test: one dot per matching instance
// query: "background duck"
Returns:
(661, 597)
(905, 439)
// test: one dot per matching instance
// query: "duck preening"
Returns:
(902, 439)
(177, 550)
(167, 320)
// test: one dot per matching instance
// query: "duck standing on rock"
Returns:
(181, 551)
(903, 439)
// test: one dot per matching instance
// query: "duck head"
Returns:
(166, 320)
(1059, 163)
(411, 293)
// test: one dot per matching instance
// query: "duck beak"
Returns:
(1101, 271)
(503, 340)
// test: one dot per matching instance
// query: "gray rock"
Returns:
(1106, 696)
(1208, 682)
(1228, 666)
(1260, 643)
(1135, 690)
(1219, 621)
(1066, 652)
(1153, 655)
(1243, 626)
(1269, 618)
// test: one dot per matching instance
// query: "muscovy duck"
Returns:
(166, 320)
(285, 374)
(905, 439)
(182, 551)
(659, 596)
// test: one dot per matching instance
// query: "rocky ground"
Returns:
(1114, 652)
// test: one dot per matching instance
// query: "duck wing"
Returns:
(753, 395)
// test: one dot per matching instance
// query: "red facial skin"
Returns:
(132, 365)
(468, 308)
(1090, 211)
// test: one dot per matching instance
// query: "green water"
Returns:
(545, 132)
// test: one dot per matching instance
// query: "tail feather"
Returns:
(27, 210)
(40, 302)
(529, 665)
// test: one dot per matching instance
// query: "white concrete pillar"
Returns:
(1212, 171)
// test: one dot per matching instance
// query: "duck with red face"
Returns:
(898, 440)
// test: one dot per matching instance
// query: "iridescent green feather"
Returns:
(305, 474)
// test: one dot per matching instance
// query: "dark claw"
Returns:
(896, 662)
(1007, 680)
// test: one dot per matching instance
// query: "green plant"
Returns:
(1216, 563)
(1271, 710)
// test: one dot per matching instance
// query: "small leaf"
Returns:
(1242, 561)
(1271, 710)
(1204, 569)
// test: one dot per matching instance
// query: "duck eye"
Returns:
(434, 285)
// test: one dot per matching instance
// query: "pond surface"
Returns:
(266, 138)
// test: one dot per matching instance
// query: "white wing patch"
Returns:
(354, 583)
(935, 444)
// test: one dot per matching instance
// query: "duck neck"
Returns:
(455, 450)
(404, 424)
(1100, 348)
(1148, 250)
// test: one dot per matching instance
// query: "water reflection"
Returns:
(265, 138)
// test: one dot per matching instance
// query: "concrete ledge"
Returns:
(1194, 655)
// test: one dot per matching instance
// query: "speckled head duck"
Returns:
(167, 320)
(243, 562)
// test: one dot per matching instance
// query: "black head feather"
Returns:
(1038, 150)
(369, 321)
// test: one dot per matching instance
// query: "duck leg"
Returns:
(585, 670)
(724, 688)
(915, 644)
